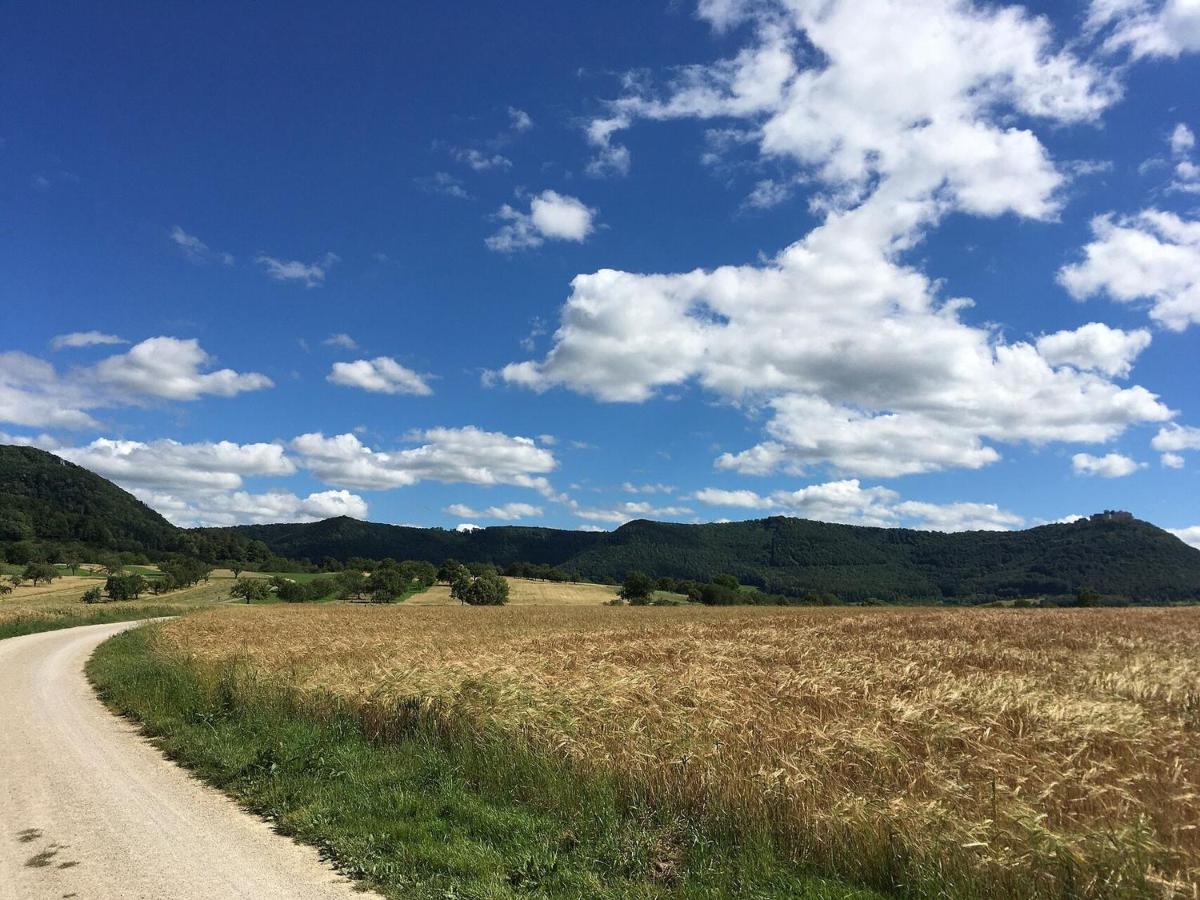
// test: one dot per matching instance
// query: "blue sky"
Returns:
(926, 263)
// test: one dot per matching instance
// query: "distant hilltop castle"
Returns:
(1111, 515)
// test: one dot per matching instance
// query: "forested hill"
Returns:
(1117, 556)
(48, 504)
(46, 498)
(51, 507)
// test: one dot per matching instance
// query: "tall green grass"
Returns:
(36, 622)
(411, 808)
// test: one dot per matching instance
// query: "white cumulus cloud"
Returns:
(33, 392)
(848, 502)
(1151, 258)
(1094, 346)
(552, 216)
(468, 455)
(858, 359)
(382, 375)
(1111, 465)
(506, 512)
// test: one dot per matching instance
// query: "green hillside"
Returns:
(48, 503)
(1120, 556)
(46, 498)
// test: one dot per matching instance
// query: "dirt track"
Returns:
(89, 809)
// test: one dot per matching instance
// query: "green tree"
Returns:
(125, 587)
(352, 584)
(449, 571)
(636, 588)
(93, 595)
(251, 590)
(36, 572)
(485, 590)
(386, 584)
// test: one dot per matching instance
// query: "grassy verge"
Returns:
(34, 622)
(418, 812)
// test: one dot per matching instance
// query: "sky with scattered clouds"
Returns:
(917, 263)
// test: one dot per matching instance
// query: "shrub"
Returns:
(93, 595)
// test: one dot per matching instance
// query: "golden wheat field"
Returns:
(61, 599)
(988, 752)
(528, 591)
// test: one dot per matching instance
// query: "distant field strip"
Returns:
(981, 752)
(529, 592)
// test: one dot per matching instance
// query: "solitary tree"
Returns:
(636, 588)
(251, 589)
(36, 572)
(484, 590)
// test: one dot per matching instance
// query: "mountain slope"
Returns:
(1117, 556)
(46, 498)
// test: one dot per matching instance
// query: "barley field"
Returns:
(1022, 753)
(60, 599)
(528, 591)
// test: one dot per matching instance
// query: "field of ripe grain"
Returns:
(1044, 753)
(528, 592)
(60, 599)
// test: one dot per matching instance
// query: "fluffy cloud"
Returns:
(1172, 439)
(196, 251)
(240, 507)
(173, 369)
(1189, 535)
(171, 465)
(552, 216)
(507, 512)
(33, 392)
(202, 483)
(1147, 27)
(1182, 140)
(1153, 258)
(1094, 346)
(382, 375)
(848, 502)
(1111, 465)
(309, 274)
(857, 359)
(463, 455)
(626, 512)
(84, 339)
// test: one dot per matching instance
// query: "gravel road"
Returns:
(89, 809)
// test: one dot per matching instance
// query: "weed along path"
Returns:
(91, 810)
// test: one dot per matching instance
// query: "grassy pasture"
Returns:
(528, 592)
(57, 604)
(1024, 753)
